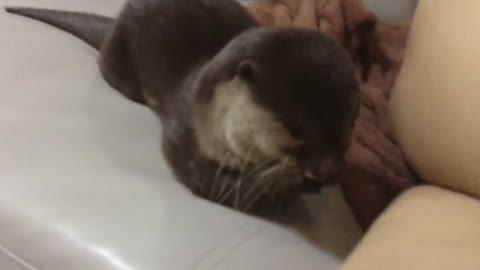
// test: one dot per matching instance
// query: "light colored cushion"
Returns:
(436, 103)
(392, 11)
(426, 229)
(83, 184)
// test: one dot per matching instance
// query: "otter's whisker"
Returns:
(256, 196)
(223, 198)
(260, 167)
(252, 202)
(223, 184)
(268, 164)
(217, 176)
(237, 193)
(235, 187)
(247, 158)
(241, 177)
(261, 180)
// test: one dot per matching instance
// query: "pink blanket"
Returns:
(376, 171)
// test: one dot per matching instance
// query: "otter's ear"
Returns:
(248, 70)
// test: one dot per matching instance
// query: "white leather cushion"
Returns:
(83, 184)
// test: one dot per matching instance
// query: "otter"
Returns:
(250, 115)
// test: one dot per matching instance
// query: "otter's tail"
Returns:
(88, 27)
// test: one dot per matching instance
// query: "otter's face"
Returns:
(292, 98)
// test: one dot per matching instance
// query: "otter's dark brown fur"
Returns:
(248, 113)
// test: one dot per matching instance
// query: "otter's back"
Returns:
(169, 37)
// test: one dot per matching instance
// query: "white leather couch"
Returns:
(83, 184)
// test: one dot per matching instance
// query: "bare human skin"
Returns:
(437, 95)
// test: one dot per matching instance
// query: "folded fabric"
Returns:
(376, 170)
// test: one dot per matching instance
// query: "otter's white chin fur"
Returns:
(235, 131)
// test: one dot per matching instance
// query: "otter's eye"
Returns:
(247, 70)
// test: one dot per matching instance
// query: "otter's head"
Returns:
(282, 95)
